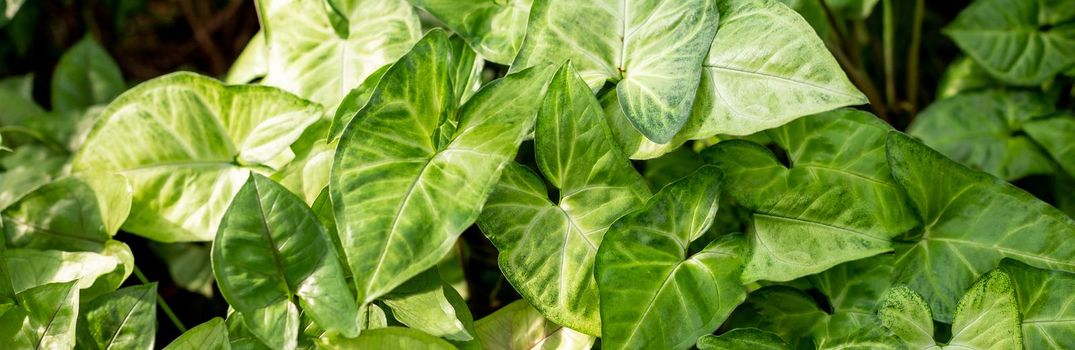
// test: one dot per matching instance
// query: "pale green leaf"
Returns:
(518, 326)
(85, 76)
(495, 29)
(624, 42)
(743, 339)
(124, 319)
(1044, 298)
(987, 316)
(210, 335)
(422, 303)
(198, 129)
(837, 202)
(981, 130)
(656, 294)
(28, 268)
(1021, 42)
(766, 68)
(45, 318)
(906, 315)
(389, 338)
(547, 248)
(971, 221)
(306, 55)
(406, 180)
(354, 101)
(271, 250)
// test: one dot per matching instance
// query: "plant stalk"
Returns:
(888, 38)
(163, 304)
(912, 56)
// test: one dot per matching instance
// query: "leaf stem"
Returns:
(912, 56)
(163, 304)
(888, 38)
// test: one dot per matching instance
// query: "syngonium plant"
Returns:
(334, 173)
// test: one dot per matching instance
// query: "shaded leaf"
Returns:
(743, 339)
(85, 76)
(45, 318)
(390, 338)
(124, 319)
(518, 326)
(1043, 297)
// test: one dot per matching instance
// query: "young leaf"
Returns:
(212, 334)
(987, 316)
(1043, 296)
(520, 326)
(836, 202)
(971, 221)
(654, 293)
(623, 42)
(44, 319)
(743, 339)
(423, 303)
(980, 130)
(85, 76)
(1022, 42)
(308, 57)
(204, 137)
(547, 249)
(495, 29)
(124, 319)
(78, 213)
(389, 338)
(744, 90)
(406, 180)
(905, 314)
(271, 249)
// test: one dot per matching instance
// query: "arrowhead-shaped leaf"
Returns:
(836, 202)
(1022, 42)
(654, 292)
(623, 42)
(204, 136)
(1043, 297)
(412, 170)
(78, 213)
(971, 221)
(547, 249)
(310, 58)
(270, 250)
(124, 319)
(45, 318)
(212, 334)
(85, 76)
(495, 29)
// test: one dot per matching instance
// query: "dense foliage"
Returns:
(653, 174)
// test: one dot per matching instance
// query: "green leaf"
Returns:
(660, 172)
(1043, 296)
(547, 248)
(785, 311)
(837, 202)
(251, 63)
(212, 334)
(124, 319)
(188, 265)
(520, 326)
(270, 250)
(495, 29)
(306, 55)
(23, 85)
(1055, 135)
(453, 270)
(204, 136)
(406, 180)
(423, 303)
(624, 43)
(78, 213)
(390, 338)
(654, 293)
(854, 9)
(44, 319)
(905, 314)
(963, 75)
(981, 130)
(972, 221)
(239, 335)
(28, 268)
(85, 76)
(745, 90)
(1022, 42)
(743, 339)
(354, 101)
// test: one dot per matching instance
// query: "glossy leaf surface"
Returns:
(493, 28)
(547, 249)
(124, 319)
(520, 326)
(45, 318)
(212, 334)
